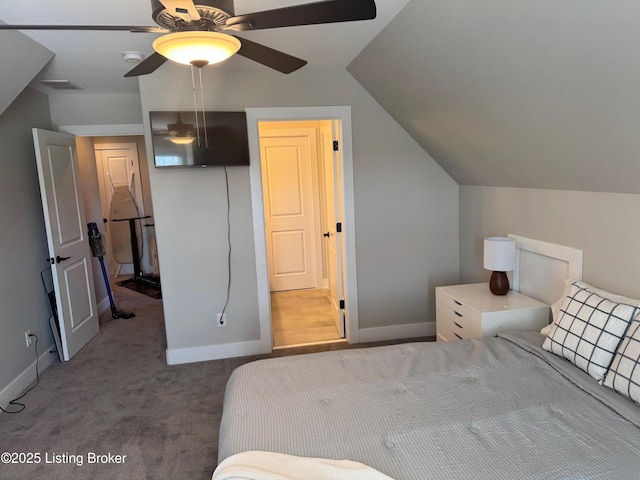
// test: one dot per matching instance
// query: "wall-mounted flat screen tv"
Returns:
(181, 141)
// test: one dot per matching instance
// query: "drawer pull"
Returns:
(458, 314)
(458, 336)
(457, 325)
(457, 302)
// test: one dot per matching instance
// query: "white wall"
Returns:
(603, 225)
(406, 210)
(23, 245)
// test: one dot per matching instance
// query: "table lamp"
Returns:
(500, 257)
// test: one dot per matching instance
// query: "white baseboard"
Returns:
(27, 377)
(103, 305)
(177, 356)
(397, 332)
(126, 269)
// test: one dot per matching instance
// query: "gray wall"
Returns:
(22, 59)
(604, 225)
(92, 208)
(23, 243)
(406, 210)
(79, 108)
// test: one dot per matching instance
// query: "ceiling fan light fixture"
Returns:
(185, 140)
(196, 48)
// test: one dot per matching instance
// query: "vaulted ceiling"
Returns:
(517, 93)
(94, 61)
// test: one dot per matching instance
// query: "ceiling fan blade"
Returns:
(148, 65)
(114, 28)
(331, 11)
(269, 57)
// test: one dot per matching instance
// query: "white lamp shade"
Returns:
(196, 46)
(499, 254)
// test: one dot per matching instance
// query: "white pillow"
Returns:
(624, 373)
(555, 308)
(590, 327)
(557, 305)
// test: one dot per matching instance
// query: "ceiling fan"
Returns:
(190, 21)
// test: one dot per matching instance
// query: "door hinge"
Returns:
(338, 227)
(341, 304)
(336, 145)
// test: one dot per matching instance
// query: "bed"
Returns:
(521, 405)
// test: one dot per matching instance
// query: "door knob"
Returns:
(61, 259)
(326, 235)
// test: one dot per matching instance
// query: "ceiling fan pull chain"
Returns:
(204, 118)
(195, 104)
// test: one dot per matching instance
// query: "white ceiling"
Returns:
(93, 60)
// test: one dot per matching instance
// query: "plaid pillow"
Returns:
(624, 374)
(589, 329)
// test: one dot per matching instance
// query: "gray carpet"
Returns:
(118, 396)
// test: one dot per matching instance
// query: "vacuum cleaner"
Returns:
(97, 247)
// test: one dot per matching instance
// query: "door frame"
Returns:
(274, 114)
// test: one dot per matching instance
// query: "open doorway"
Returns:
(339, 219)
(123, 180)
(301, 185)
(342, 117)
(90, 139)
(68, 174)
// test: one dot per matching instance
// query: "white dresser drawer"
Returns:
(472, 311)
(462, 325)
(458, 307)
(444, 335)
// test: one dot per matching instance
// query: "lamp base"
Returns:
(499, 283)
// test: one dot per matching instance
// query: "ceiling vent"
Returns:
(61, 84)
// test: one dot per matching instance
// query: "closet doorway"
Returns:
(300, 173)
(118, 165)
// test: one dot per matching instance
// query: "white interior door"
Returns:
(69, 250)
(287, 175)
(118, 166)
(331, 176)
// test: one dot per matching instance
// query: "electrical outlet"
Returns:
(222, 319)
(27, 338)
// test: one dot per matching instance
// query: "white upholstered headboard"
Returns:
(542, 267)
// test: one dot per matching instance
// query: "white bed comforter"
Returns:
(278, 466)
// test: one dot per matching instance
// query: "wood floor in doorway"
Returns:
(301, 317)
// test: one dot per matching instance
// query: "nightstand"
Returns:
(472, 311)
